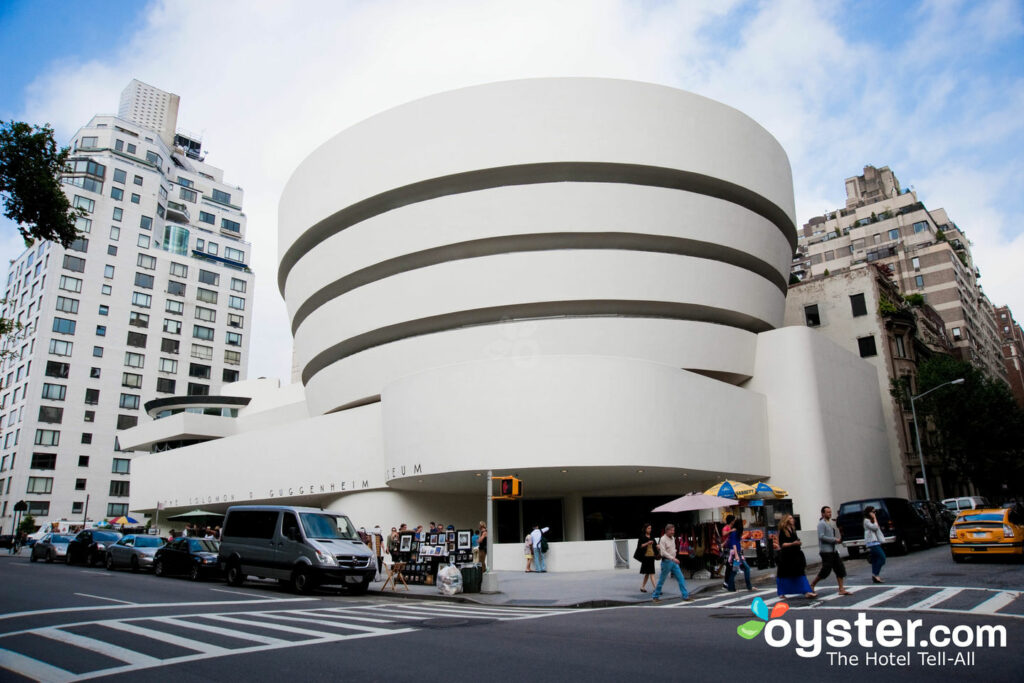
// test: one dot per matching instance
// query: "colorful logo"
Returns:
(752, 628)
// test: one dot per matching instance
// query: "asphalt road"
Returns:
(70, 623)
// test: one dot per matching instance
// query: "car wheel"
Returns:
(235, 576)
(50, 556)
(32, 556)
(193, 572)
(900, 546)
(135, 563)
(158, 567)
(110, 562)
(67, 558)
(90, 559)
(302, 580)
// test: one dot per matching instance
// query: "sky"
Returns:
(932, 89)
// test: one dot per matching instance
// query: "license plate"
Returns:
(980, 534)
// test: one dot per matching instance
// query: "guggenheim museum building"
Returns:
(580, 282)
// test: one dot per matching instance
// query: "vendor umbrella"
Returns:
(122, 520)
(763, 490)
(731, 489)
(194, 515)
(695, 501)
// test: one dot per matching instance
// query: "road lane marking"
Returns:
(322, 622)
(96, 608)
(995, 603)
(168, 638)
(221, 590)
(718, 602)
(100, 597)
(932, 600)
(884, 595)
(33, 668)
(231, 633)
(115, 651)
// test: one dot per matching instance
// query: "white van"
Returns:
(303, 547)
(965, 503)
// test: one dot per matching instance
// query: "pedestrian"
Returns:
(669, 564)
(378, 547)
(537, 536)
(726, 548)
(646, 553)
(789, 571)
(873, 539)
(828, 545)
(483, 546)
(528, 552)
(735, 560)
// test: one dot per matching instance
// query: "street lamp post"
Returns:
(917, 432)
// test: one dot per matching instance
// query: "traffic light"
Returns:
(509, 488)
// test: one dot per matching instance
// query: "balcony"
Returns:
(178, 213)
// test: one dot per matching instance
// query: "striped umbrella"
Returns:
(121, 521)
(731, 489)
(763, 490)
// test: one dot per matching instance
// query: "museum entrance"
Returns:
(515, 518)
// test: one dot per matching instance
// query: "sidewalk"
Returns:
(606, 588)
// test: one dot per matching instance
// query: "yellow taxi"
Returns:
(988, 531)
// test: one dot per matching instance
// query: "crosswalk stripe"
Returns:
(750, 595)
(890, 592)
(995, 603)
(434, 612)
(931, 600)
(490, 613)
(342, 613)
(230, 633)
(169, 638)
(114, 651)
(306, 619)
(33, 668)
(273, 627)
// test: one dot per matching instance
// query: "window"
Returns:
(957, 335)
(130, 401)
(202, 352)
(175, 288)
(67, 305)
(858, 305)
(143, 241)
(84, 203)
(80, 244)
(80, 483)
(143, 280)
(127, 421)
(160, 211)
(40, 485)
(921, 226)
(119, 146)
(108, 272)
(901, 351)
(137, 319)
(172, 326)
(137, 180)
(44, 461)
(131, 148)
(198, 389)
(101, 330)
(235, 320)
(168, 365)
(867, 346)
(200, 332)
(187, 194)
(76, 507)
(206, 295)
(230, 226)
(201, 245)
(207, 314)
(137, 339)
(47, 437)
(86, 438)
(119, 489)
(894, 234)
(83, 224)
(915, 263)
(154, 158)
(89, 143)
(165, 385)
(118, 213)
(232, 357)
(83, 461)
(234, 254)
(919, 281)
(57, 369)
(233, 338)
(209, 278)
(117, 509)
(70, 284)
(221, 197)
(92, 396)
(73, 263)
(51, 414)
(60, 348)
(90, 416)
(174, 306)
(811, 315)
(230, 375)
(199, 371)
(104, 309)
(116, 193)
(63, 326)
(236, 302)
(237, 285)
(169, 345)
(211, 248)
(146, 261)
(134, 360)
(119, 175)
(106, 290)
(141, 300)
(208, 218)
(54, 392)
(36, 508)
(111, 250)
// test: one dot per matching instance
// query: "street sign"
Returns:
(509, 488)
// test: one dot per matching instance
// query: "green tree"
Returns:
(980, 426)
(30, 169)
(27, 525)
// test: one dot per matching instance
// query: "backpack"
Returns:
(544, 544)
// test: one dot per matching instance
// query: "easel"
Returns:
(394, 576)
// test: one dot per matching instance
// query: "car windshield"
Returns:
(325, 526)
(105, 536)
(203, 545)
(983, 517)
(60, 540)
(951, 505)
(148, 542)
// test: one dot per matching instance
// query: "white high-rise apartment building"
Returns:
(151, 108)
(153, 301)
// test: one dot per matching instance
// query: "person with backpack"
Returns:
(540, 547)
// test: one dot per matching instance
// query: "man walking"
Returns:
(537, 537)
(828, 541)
(669, 564)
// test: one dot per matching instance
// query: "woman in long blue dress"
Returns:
(790, 563)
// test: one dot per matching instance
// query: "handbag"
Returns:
(638, 553)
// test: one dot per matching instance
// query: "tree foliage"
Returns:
(980, 426)
(30, 169)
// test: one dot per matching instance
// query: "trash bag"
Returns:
(449, 580)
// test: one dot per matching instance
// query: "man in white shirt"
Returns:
(669, 564)
(538, 556)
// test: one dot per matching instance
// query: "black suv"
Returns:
(90, 546)
(900, 523)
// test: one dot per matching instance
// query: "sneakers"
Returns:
(688, 599)
(655, 600)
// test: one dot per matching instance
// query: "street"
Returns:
(63, 623)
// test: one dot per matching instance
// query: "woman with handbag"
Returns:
(790, 565)
(873, 540)
(645, 554)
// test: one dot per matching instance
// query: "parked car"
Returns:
(90, 546)
(51, 547)
(135, 551)
(900, 523)
(987, 532)
(193, 557)
(965, 503)
(304, 547)
(937, 517)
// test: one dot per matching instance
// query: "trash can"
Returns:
(472, 575)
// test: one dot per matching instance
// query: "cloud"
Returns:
(267, 82)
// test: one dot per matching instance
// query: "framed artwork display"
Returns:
(451, 537)
(465, 540)
(405, 543)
